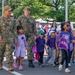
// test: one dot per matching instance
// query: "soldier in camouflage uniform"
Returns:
(29, 26)
(6, 37)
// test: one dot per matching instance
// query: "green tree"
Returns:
(58, 12)
(42, 8)
(38, 9)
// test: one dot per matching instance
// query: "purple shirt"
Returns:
(63, 44)
(67, 36)
(73, 39)
(51, 42)
(20, 49)
(40, 44)
(21, 40)
(57, 40)
(69, 30)
(71, 47)
(53, 29)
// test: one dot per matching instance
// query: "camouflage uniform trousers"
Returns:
(30, 43)
(6, 48)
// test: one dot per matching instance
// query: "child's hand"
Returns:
(73, 41)
(0, 38)
(17, 44)
(34, 37)
(47, 51)
(59, 40)
(35, 43)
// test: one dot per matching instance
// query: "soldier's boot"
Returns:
(10, 68)
(1, 65)
(31, 64)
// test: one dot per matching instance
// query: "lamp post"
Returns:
(66, 10)
(2, 7)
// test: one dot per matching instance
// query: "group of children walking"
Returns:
(59, 46)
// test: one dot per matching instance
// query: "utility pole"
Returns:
(66, 10)
(2, 7)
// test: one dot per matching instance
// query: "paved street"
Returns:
(38, 70)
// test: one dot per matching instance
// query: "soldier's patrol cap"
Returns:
(7, 8)
(27, 8)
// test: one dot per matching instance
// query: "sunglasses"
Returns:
(67, 25)
(42, 34)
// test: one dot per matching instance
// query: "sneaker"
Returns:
(43, 65)
(53, 65)
(35, 61)
(39, 63)
(73, 61)
(69, 64)
(15, 64)
(60, 67)
(20, 67)
(46, 63)
(67, 70)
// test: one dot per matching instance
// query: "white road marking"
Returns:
(14, 72)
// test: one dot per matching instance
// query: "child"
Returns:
(38, 26)
(58, 52)
(40, 45)
(54, 26)
(20, 48)
(47, 28)
(65, 40)
(73, 55)
(36, 55)
(70, 54)
(52, 48)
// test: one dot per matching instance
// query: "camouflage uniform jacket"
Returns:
(7, 27)
(29, 25)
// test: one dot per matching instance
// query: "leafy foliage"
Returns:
(44, 9)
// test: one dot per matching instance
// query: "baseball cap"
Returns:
(51, 32)
(7, 8)
(27, 7)
(41, 32)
